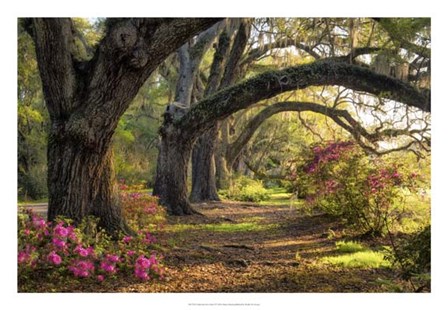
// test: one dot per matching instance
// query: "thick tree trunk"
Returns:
(172, 167)
(85, 100)
(81, 182)
(205, 183)
(203, 168)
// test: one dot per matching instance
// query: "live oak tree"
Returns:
(86, 97)
(179, 135)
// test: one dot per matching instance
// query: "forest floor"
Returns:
(246, 247)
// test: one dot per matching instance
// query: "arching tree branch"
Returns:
(270, 84)
(341, 117)
(256, 53)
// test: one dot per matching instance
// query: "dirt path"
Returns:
(249, 248)
(244, 247)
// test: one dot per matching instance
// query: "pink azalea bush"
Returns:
(142, 210)
(340, 179)
(61, 250)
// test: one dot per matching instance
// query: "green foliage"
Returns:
(32, 123)
(341, 180)
(246, 189)
(33, 184)
(136, 137)
(413, 254)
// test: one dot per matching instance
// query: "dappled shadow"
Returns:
(249, 248)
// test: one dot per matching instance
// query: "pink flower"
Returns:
(130, 253)
(86, 265)
(112, 258)
(54, 258)
(81, 251)
(149, 238)
(100, 278)
(127, 239)
(39, 223)
(71, 234)
(27, 232)
(61, 231)
(90, 250)
(59, 243)
(153, 260)
(107, 267)
(23, 257)
(82, 268)
(143, 262)
(141, 274)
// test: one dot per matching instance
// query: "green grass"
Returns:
(181, 227)
(365, 259)
(278, 196)
(238, 227)
(349, 247)
(223, 227)
(355, 255)
(30, 202)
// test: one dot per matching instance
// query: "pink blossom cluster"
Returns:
(383, 178)
(143, 266)
(82, 268)
(331, 152)
(60, 246)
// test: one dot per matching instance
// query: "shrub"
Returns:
(341, 180)
(59, 250)
(246, 189)
(136, 185)
(413, 254)
(142, 210)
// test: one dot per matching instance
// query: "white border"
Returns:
(227, 8)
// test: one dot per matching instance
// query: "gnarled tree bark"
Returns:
(86, 99)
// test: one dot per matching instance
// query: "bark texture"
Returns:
(203, 164)
(172, 168)
(203, 161)
(215, 177)
(85, 100)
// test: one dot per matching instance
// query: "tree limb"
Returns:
(398, 37)
(270, 84)
(231, 71)
(53, 41)
(340, 117)
(256, 53)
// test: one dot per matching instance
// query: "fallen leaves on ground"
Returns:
(277, 252)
